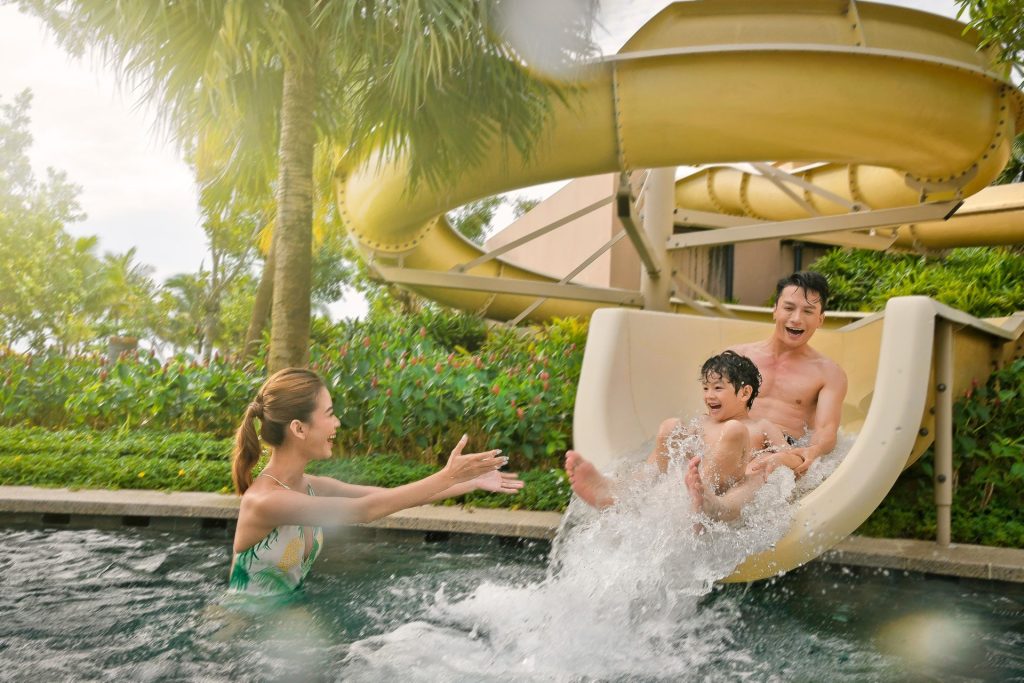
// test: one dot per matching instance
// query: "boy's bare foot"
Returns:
(587, 482)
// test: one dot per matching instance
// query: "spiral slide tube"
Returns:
(899, 103)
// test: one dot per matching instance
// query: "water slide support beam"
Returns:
(659, 207)
(821, 224)
(625, 208)
(414, 277)
(943, 429)
(573, 273)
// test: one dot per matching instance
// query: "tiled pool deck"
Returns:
(191, 511)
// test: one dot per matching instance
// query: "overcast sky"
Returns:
(135, 189)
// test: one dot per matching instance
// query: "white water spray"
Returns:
(621, 597)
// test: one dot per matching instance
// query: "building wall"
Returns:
(754, 269)
(560, 251)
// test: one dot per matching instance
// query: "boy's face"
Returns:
(797, 315)
(722, 399)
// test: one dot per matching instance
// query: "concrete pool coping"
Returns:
(189, 510)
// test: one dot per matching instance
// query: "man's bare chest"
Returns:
(796, 386)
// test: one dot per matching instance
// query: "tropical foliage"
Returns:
(58, 292)
(988, 472)
(188, 461)
(401, 385)
(261, 93)
(984, 281)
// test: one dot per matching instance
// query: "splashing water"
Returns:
(622, 595)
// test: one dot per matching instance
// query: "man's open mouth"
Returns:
(794, 331)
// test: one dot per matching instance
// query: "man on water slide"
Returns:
(802, 391)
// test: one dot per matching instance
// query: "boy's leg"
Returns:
(726, 486)
(587, 483)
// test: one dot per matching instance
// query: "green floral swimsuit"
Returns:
(275, 566)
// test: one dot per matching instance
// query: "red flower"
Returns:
(544, 375)
(388, 392)
(366, 342)
(495, 390)
(520, 413)
(438, 368)
(423, 332)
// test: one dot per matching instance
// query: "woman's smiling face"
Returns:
(322, 426)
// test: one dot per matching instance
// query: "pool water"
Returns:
(141, 605)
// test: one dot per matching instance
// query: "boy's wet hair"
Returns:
(736, 369)
(807, 280)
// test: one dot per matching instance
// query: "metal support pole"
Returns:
(943, 429)
(659, 204)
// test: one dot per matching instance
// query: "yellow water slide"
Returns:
(876, 107)
(895, 106)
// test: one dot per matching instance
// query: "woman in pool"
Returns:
(279, 530)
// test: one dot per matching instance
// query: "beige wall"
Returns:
(561, 250)
(757, 266)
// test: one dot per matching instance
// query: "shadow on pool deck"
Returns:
(190, 511)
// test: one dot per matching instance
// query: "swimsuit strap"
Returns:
(270, 476)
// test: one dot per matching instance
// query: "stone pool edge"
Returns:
(191, 510)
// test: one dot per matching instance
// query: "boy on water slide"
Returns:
(738, 450)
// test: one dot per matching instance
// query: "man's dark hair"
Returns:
(737, 370)
(807, 280)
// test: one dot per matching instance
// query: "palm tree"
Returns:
(434, 79)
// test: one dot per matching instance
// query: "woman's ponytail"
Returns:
(247, 448)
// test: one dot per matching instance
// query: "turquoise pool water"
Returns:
(144, 605)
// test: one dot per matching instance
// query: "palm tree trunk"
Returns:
(293, 243)
(260, 308)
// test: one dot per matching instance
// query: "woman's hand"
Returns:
(470, 466)
(498, 482)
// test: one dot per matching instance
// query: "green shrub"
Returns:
(401, 385)
(118, 459)
(983, 281)
(988, 461)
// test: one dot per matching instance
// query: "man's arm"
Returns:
(827, 418)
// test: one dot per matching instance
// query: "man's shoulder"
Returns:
(827, 364)
(745, 349)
